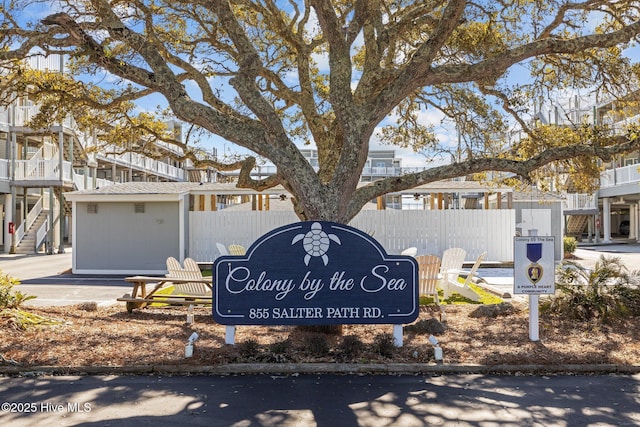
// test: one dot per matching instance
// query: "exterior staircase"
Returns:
(576, 225)
(79, 154)
(28, 242)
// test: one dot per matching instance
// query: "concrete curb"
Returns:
(318, 368)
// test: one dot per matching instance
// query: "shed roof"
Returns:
(173, 191)
(457, 187)
(159, 191)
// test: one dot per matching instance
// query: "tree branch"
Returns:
(617, 145)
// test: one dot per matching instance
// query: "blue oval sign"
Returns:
(314, 273)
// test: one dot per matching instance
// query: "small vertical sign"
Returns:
(534, 265)
(534, 273)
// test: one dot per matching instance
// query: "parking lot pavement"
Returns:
(25, 267)
(49, 278)
(629, 255)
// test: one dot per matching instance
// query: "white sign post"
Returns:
(533, 264)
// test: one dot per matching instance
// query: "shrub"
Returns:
(316, 344)
(351, 347)
(602, 293)
(280, 347)
(570, 244)
(249, 348)
(11, 301)
(9, 298)
(630, 299)
(426, 327)
(384, 345)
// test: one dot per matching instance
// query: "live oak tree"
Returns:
(272, 75)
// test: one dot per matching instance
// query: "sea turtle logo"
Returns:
(316, 243)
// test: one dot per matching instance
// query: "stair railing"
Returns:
(33, 213)
(26, 225)
(41, 234)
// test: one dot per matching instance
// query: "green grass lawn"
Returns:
(486, 297)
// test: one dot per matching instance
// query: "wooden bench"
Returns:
(140, 298)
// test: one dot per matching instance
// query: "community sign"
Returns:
(315, 273)
(534, 266)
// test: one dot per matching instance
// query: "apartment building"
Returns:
(38, 166)
(613, 211)
(619, 192)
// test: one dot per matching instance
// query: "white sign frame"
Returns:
(544, 284)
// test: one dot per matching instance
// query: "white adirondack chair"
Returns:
(450, 267)
(428, 268)
(222, 249)
(412, 251)
(454, 285)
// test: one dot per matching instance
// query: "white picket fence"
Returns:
(431, 231)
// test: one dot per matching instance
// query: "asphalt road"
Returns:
(327, 400)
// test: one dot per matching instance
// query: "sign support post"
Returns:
(534, 321)
(230, 334)
(397, 335)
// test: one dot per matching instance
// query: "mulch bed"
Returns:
(157, 336)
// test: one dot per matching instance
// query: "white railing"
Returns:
(620, 127)
(46, 63)
(67, 171)
(42, 169)
(33, 213)
(36, 170)
(4, 169)
(382, 171)
(101, 182)
(575, 202)
(618, 176)
(78, 181)
(4, 119)
(146, 164)
(430, 231)
(32, 165)
(41, 234)
(22, 115)
(19, 234)
(31, 217)
(85, 182)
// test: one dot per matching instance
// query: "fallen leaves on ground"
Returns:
(110, 336)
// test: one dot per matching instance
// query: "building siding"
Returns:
(117, 238)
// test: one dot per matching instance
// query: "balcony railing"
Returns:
(618, 176)
(4, 169)
(578, 202)
(382, 171)
(48, 170)
(378, 171)
(145, 164)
